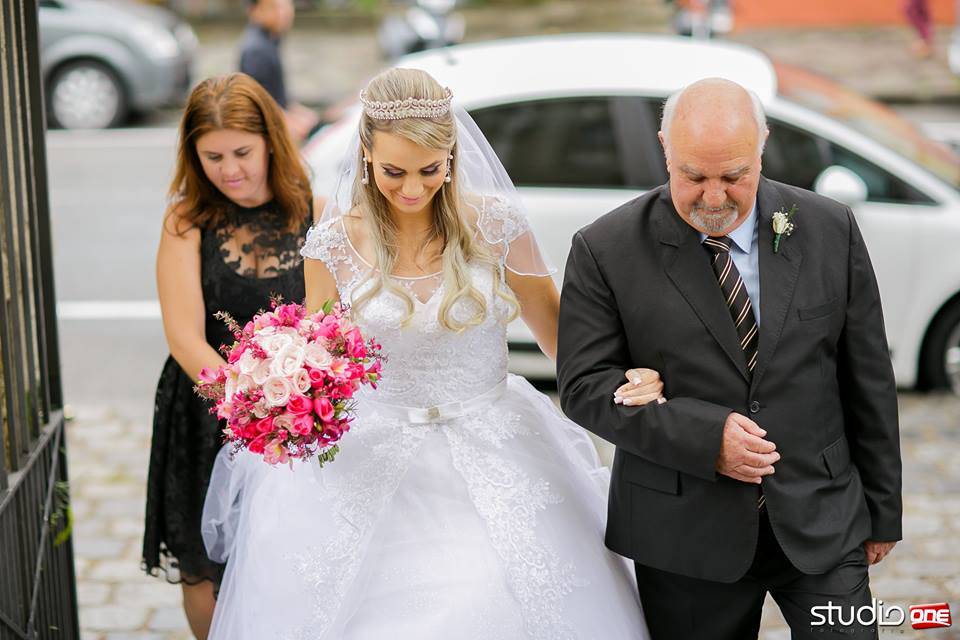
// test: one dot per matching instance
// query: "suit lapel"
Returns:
(687, 264)
(778, 276)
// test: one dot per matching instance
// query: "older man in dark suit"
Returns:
(774, 466)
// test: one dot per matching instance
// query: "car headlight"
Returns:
(157, 42)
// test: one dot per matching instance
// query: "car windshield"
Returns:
(868, 117)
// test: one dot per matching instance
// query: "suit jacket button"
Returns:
(754, 407)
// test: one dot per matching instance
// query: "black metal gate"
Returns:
(37, 589)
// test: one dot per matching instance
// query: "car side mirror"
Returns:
(841, 184)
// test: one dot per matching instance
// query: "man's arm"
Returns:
(683, 434)
(869, 395)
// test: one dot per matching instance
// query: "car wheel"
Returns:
(86, 95)
(941, 354)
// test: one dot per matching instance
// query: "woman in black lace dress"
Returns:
(240, 208)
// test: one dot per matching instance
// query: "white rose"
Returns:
(275, 343)
(247, 362)
(316, 356)
(276, 391)
(245, 383)
(781, 224)
(260, 409)
(283, 421)
(301, 380)
(266, 331)
(287, 361)
(262, 371)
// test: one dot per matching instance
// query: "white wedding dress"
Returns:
(462, 505)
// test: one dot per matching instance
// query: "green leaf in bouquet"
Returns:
(328, 455)
(327, 306)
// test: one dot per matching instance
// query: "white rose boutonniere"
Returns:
(783, 226)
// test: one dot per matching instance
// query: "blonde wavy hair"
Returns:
(450, 224)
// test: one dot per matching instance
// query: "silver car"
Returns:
(102, 61)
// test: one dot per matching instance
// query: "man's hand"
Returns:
(744, 454)
(877, 551)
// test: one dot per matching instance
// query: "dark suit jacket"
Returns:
(639, 290)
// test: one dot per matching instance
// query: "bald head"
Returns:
(712, 107)
(713, 134)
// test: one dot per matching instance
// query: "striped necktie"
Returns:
(737, 298)
(738, 303)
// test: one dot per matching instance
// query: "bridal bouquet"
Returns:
(287, 389)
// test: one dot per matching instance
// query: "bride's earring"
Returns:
(366, 173)
(447, 178)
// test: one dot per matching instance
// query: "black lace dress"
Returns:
(244, 261)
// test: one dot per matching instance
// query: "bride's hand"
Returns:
(643, 386)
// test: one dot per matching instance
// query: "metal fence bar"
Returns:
(37, 579)
(24, 241)
(43, 284)
(13, 359)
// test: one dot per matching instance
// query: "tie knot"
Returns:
(716, 246)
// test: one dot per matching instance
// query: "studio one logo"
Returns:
(921, 616)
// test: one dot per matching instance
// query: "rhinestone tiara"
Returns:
(407, 108)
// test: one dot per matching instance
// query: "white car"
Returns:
(575, 118)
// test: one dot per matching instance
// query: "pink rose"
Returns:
(264, 425)
(257, 444)
(323, 408)
(317, 377)
(299, 405)
(303, 424)
(248, 431)
(283, 421)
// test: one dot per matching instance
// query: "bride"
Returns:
(463, 504)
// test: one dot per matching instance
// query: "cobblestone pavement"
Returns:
(108, 454)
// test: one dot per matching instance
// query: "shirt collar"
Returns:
(742, 236)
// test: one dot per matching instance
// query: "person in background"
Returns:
(918, 15)
(240, 204)
(260, 58)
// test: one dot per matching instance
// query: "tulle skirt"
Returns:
(486, 525)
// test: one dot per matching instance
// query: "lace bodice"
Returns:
(426, 364)
(245, 260)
